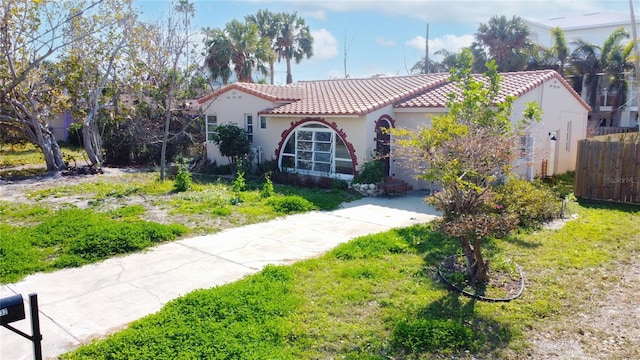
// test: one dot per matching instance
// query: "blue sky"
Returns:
(380, 37)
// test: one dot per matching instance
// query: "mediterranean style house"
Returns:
(329, 128)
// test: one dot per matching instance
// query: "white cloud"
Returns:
(469, 11)
(314, 14)
(325, 45)
(451, 43)
(384, 41)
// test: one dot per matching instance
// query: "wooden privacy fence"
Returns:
(609, 169)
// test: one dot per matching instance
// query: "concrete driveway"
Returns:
(81, 304)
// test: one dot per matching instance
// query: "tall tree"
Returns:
(240, 45)
(560, 48)
(89, 65)
(504, 41)
(294, 41)
(27, 46)
(267, 23)
(589, 61)
(188, 11)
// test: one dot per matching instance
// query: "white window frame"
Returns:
(211, 122)
(314, 153)
(248, 126)
(263, 122)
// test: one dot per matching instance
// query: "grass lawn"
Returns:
(378, 297)
(80, 220)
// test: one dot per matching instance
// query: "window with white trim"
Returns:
(211, 123)
(315, 149)
(263, 122)
(248, 126)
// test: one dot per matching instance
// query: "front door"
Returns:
(383, 143)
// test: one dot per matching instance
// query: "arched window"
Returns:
(315, 149)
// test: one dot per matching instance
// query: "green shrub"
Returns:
(128, 211)
(239, 183)
(432, 335)
(533, 204)
(290, 204)
(74, 237)
(372, 247)
(267, 188)
(183, 180)
(370, 173)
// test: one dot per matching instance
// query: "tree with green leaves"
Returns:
(31, 91)
(293, 40)
(503, 40)
(238, 46)
(88, 67)
(453, 152)
(268, 24)
(232, 142)
(589, 61)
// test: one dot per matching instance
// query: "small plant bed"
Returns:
(506, 281)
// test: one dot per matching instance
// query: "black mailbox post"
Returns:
(11, 309)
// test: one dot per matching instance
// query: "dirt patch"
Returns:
(606, 329)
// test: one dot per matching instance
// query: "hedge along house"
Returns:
(329, 128)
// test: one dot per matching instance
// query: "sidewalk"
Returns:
(81, 304)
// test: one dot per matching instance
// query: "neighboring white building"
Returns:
(595, 28)
(329, 128)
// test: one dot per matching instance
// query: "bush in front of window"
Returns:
(372, 172)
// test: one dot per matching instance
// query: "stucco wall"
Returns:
(560, 108)
(230, 107)
(563, 116)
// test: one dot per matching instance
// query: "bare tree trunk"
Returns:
(480, 275)
(165, 136)
(289, 76)
(271, 71)
(42, 137)
(92, 143)
(469, 255)
(477, 267)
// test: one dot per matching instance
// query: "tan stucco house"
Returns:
(331, 127)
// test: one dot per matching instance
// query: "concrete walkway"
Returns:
(81, 304)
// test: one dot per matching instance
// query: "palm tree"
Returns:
(555, 57)
(504, 41)
(188, 9)
(589, 61)
(239, 45)
(218, 58)
(267, 23)
(294, 40)
(560, 48)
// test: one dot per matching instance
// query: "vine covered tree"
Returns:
(453, 152)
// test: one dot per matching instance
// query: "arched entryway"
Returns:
(383, 142)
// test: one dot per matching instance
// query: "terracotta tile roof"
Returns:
(361, 96)
(275, 93)
(513, 84)
(356, 96)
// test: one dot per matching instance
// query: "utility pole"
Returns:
(426, 54)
